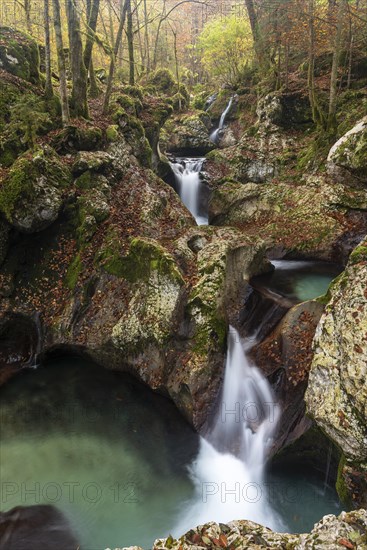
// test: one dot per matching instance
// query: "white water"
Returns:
(215, 135)
(187, 176)
(229, 472)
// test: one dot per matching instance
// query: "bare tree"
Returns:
(61, 63)
(48, 84)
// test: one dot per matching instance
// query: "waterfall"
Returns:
(187, 176)
(229, 472)
(215, 135)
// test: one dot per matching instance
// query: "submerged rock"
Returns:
(347, 160)
(336, 396)
(27, 527)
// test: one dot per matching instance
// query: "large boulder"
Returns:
(31, 193)
(314, 218)
(349, 530)
(190, 135)
(336, 396)
(347, 160)
(19, 55)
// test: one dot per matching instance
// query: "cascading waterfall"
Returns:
(215, 135)
(187, 176)
(229, 471)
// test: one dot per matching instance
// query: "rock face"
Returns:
(336, 396)
(304, 218)
(347, 160)
(19, 55)
(349, 530)
(31, 195)
(190, 135)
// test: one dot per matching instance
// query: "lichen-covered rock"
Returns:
(303, 218)
(336, 396)
(284, 110)
(19, 55)
(154, 300)
(348, 530)
(190, 134)
(31, 193)
(96, 161)
(76, 138)
(347, 160)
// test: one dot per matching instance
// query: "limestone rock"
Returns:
(347, 160)
(336, 396)
(96, 161)
(348, 530)
(19, 55)
(31, 194)
(190, 134)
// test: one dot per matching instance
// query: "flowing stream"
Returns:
(190, 188)
(229, 473)
(215, 135)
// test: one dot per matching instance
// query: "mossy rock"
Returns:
(74, 138)
(31, 194)
(131, 105)
(19, 55)
(163, 81)
(133, 91)
(112, 133)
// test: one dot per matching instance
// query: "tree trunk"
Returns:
(317, 114)
(28, 18)
(78, 71)
(92, 17)
(94, 90)
(331, 125)
(146, 37)
(49, 92)
(130, 44)
(177, 69)
(114, 54)
(61, 63)
(254, 29)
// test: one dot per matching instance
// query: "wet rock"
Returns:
(349, 530)
(27, 527)
(336, 396)
(190, 135)
(347, 160)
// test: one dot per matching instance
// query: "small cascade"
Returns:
(216, 134)
(229, 471)
(189, 187)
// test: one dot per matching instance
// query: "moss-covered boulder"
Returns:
(163, 81)
(189, 134)
(78, 138)
(19, 55)
(337, 391)
(155, 299)
(31, 193)
(347, 160)
(96, 161)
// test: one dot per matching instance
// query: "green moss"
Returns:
(85, 181)
(359, 254)
(134, 91)
(143, 258)
(73, 272)
(19, 183)
(341, 487)
(20, 46)
(132, 105)
(112, 133)
(164, 82)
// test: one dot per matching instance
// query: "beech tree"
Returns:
(79, 101)
(61, 63)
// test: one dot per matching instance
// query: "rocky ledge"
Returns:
(349, 530)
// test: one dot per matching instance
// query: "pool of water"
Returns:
(105, 450)
(114, 458)
(299, 281)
